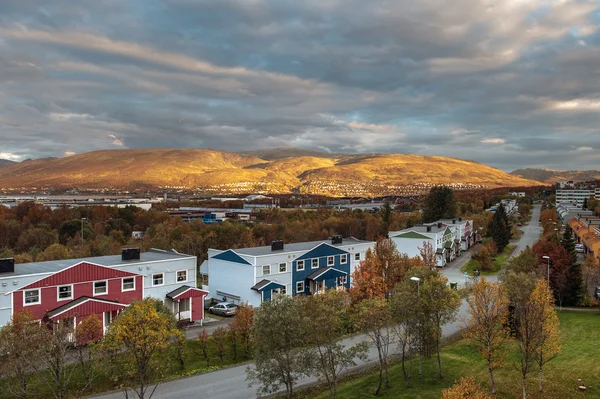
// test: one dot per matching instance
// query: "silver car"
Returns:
(223, 309)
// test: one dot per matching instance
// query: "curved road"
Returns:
(231, 383)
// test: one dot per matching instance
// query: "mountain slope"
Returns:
(6, 162)
(219, 171)
(550, 176)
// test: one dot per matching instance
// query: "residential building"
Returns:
(69, 290)
(463, 233)
(410, 240)
(254, 275)
(575, 196)
(586, 231)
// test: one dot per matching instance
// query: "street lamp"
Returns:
(418, 280)
(548, 258)
(82, 219)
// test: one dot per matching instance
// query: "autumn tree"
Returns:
(87, 336)
(428, 255)
(204, 345)
(549, 333)
(591, 272)
(440, 203)
(466, 388)
(278, 333)
(367, 280)
(324, 316)
(487, 324)
(241, 325)
(54, 358)
(373, 318)
(138, 341)
(219, 337)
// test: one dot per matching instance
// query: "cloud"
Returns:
(505, 83)
(10, 156)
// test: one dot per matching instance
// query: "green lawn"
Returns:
(580, 333)
(472, 265)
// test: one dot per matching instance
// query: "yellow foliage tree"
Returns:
(466, 388)
(139, 341)
(487, 326)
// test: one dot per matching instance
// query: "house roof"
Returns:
(324, 249)
(412, 234)
(298, 247)
(77, 307)
(325, 273)
(263, 284)
(54, 266)
(231, 256)
(185, 291)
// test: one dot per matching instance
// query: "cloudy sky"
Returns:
(509, 83)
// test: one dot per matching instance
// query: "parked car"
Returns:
(597, 293)
(579, 248)
(224, 309)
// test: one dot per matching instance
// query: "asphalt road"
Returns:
(231, 383)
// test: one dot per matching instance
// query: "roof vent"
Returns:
(130, 254)
(337, 239)
(277, 245)
(7, 265)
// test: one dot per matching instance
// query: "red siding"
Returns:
(197, 305)
(80, 272)
(83, 285)
(90, 307)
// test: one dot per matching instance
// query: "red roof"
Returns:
(186, 292)
(84, 306)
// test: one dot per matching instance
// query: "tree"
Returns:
(87, 336)
(466, 388)
(499, 228)
(428, 255)
(440, 304)
(204, 345)
(367, 280)
(483, 258)
(138, 341)
(324, 315)
(487, 326)
(406, 322)
(242, 325)
(568, 242)
(373, 318)
(278, 333)
(440, 203)
(549, 334)
(54, 359)
(219, 337)
(585, 203)
(591, 272)
(21, 345)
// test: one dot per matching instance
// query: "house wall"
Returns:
(324, 254)
(233, 278)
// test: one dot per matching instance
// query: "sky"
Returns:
(511, 83)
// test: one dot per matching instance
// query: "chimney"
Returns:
(439, 225)
(337, 239)
(7, 265)
(277, 245)
(429, 229)
(453, 221)
(460, 219)
(130, 254)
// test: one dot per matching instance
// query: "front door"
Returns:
(107, 320)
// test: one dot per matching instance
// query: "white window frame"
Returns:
(342, 280)
(39, 292)
(268, 272)
(123, 284)
(163, 279)
(100, 281)
(177, 275)
(343, 259)
(303, 287)
(58, 298)
(330, 260)
(312, 263)
(298, 263)
(284, 264)
(357, 256)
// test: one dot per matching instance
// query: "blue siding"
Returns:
(321, 253)
(231, 256)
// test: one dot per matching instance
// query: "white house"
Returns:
(254, 275)
(440, 236)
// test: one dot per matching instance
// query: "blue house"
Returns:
(254, 275)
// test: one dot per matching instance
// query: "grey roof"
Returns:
(298, 247)
(421, 228)
(53, 266)
(456, 221)
(178, 291)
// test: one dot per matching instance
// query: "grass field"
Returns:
(580, 334)
(472, 265)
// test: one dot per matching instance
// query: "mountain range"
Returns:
(273, 170)
(6, 162)
(550, 176)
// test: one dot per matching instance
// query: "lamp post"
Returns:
(418, 280)
(547, 258)
(82, 219)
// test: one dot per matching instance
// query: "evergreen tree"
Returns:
(574, 292)
(569, 243)
(585, 203)
(499, 230)
(440, 203)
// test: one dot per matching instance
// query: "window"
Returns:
(65, 292)
(266, 270)
(181, 275)
(300, 286)
(282, 267)
(343, 259)
(100, 287)
(330, 261)
(158, 279)
(342, 280)
(128, 284)
(357, 256)
(299, 265)
(31, 297)
(315, 263)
